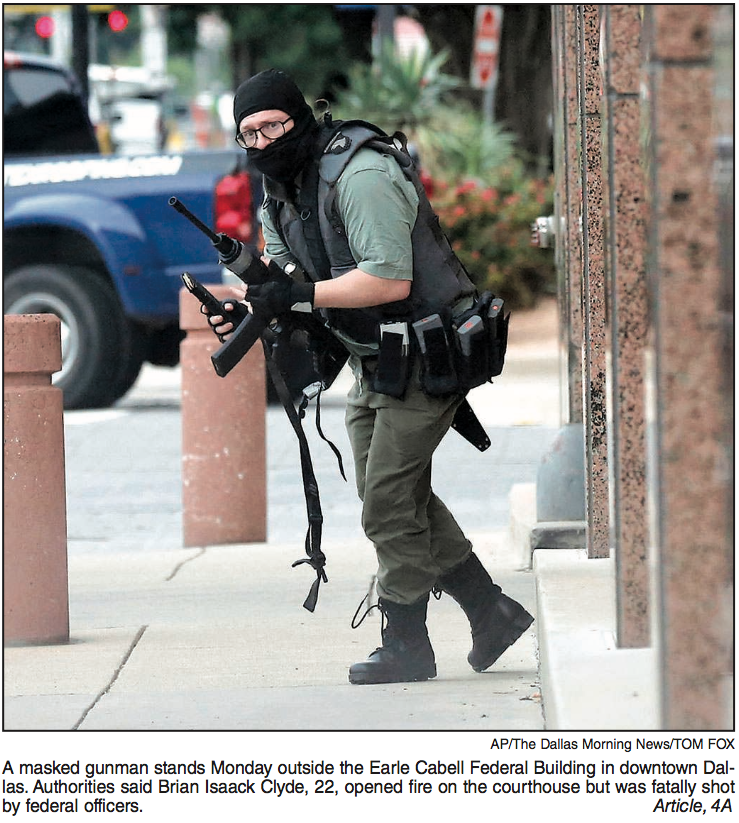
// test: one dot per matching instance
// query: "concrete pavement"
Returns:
(216, 637)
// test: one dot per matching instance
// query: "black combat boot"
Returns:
(406, 653)
(496, 620)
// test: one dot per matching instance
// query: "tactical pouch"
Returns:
(472, 352)
(393, 362)
(480, 336)
(305, 331)
(498, 335)
(438, 372)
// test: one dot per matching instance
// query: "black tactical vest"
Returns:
(313, 231)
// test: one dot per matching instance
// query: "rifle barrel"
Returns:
(179, 206)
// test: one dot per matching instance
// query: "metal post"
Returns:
(81, 47)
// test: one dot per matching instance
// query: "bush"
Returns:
(459, 144)
(489, 227)
(396, 92)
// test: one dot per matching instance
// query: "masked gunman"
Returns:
(346, 217)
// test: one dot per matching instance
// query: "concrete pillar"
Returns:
(625, 213)
(224, 476)
(35, 590)
(593, 278)
(692, 477)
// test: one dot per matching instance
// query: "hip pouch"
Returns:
(480, 337)
(307, 332)
(456, 353)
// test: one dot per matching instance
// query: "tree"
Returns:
(524, 93)
(300, 38)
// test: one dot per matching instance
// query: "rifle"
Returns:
(328, 353)
(236, 256)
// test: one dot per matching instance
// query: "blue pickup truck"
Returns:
(92, 239)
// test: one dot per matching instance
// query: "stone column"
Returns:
(692, 477)
(626, 278)
(560, 482)
(593, 279)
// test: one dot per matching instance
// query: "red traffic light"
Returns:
(45, 27)
(117, 20)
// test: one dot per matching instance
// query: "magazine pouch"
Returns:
(436, 351)
(498, 335)
(393, 363)
(480, 338)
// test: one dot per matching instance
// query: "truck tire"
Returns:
(132, 358)
(101, 350)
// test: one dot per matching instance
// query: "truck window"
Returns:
(27, 87)
(43, 114)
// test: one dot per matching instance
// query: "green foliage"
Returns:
(302, 39)
(489, 227)
(460, 145)
(396, 92)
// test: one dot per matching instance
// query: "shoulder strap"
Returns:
(346, 139)
(365, 135)
(308, 208)
(273, 208)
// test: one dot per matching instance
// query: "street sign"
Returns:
(488, 25)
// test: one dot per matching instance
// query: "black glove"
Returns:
(280, 297)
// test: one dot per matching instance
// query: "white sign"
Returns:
(488, 25)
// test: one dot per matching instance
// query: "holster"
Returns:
(307, 332)
(466, 424)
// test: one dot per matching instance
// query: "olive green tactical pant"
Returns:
(414, 534)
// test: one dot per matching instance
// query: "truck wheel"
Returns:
(132, 357)
(98, 351)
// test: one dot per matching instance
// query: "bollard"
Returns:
(35, 590)
(224, 475)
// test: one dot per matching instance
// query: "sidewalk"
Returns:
(216, 637)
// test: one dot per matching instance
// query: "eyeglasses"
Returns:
(248, 139)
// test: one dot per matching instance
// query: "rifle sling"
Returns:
(315, 557)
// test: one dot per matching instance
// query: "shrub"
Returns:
(459, 144)
(489, 227)
(396, 92)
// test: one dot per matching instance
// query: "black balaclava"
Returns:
(272, 89)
